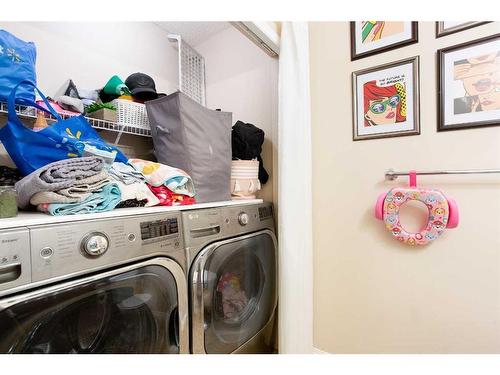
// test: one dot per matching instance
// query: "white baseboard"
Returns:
(319, 351)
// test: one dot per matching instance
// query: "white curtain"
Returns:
(294, 192)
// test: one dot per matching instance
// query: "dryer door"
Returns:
(134, 309)
(234, 292)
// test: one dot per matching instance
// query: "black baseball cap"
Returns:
(141, 86)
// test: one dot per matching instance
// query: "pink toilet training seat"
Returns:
(443, 212)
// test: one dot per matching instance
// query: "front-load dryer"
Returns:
(233, 278)
(113, 285)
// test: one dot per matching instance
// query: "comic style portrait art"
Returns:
(371, 37)
(469, 94)
(386, 101)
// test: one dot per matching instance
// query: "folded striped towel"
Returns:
(55, 176)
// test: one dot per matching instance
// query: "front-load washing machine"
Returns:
(96, 286)
(232, 257)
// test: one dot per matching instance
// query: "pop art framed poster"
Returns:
(469, 84)
(386, 100)
(449, 27)
(371, 37)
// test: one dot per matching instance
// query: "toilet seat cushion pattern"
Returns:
(435, 201)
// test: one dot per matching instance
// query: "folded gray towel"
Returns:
(56, 176)
(75, 193)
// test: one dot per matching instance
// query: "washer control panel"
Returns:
(67, 249)
(154, 230)
(15, 266)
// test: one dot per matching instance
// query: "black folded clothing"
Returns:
(132, 203)
(247, 140)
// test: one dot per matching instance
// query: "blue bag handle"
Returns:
(11, 103)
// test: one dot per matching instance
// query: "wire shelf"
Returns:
(31, 113)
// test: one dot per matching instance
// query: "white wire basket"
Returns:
(131, 114)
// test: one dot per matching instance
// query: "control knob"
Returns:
(95, 244)
(243, 218)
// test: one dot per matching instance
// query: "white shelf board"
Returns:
(24, 218)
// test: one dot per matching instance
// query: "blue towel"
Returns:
(105, 200)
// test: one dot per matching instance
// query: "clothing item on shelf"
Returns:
(106, 98)
(88, 102)
(70, 103)
(168, 198)
(138, 191)
(9, 176)
(68, 97)
(125, 173)
(56, 176)
(105, 200)
(141, 86)
(158, 174)
(115, 86)
(88, 97)
(57, 108)
(78, 192)
(67, 89)
(247, 140)
(88, 94)
(132, 203)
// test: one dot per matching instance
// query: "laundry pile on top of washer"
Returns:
(86, 185)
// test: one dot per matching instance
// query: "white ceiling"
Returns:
(194, 33)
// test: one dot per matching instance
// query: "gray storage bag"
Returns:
(188, 136)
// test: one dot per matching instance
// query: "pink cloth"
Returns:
(168, 198)
(57, 108)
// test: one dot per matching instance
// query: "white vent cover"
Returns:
(191, 70)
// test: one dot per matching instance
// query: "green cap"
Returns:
(115, 86)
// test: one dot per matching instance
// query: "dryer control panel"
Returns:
(206, 225)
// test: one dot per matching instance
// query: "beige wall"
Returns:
(373, 294)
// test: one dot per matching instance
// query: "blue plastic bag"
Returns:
(17, 63)
(64, 139)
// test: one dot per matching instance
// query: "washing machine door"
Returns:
(135, 309)
(234, 292)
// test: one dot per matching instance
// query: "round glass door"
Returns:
(239, 292)
(130, 312)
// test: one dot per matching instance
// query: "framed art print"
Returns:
(449, 27)
(371, 37)
(469, 84)
(386, 100)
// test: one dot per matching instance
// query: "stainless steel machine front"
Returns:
(115, 285)
(232, 257)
